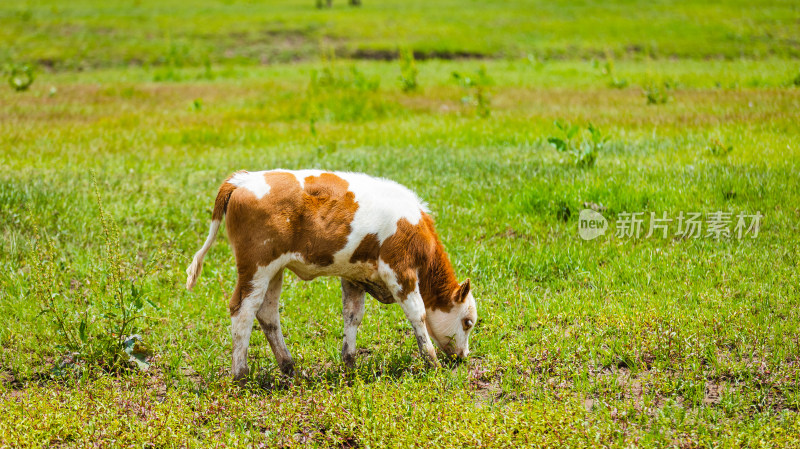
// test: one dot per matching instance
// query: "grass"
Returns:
(616, 342)
(174, 32)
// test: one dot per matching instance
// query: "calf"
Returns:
(374, 234)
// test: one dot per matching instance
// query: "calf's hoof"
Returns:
(349, 360)
(348, 356)
(240, 378)
(431, 359)
(287, 368)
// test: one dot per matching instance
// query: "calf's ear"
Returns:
(463, 291)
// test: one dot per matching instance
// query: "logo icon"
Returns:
(591, 224)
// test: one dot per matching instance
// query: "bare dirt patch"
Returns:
(383, 54)
(713, 394)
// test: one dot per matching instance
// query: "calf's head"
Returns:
(450, 327)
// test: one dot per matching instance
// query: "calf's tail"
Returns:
(220, 207)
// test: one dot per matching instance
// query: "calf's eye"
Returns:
(467, 323)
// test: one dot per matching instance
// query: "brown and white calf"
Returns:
(374, 234)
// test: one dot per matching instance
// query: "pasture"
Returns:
(110, 162)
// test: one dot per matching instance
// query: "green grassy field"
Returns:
(650, 341)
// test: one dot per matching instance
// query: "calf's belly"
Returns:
(377, 290)
(362, 274)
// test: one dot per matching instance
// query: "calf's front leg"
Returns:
(353, 313)
(414, 308)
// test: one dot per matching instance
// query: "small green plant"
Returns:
(617, 83)
(331, 78)
(796, 80)
(657, 94)
(584, 149)
(312, 126)
(177, 63)
(717, 148)
(341, 94)
(326, 148)
(534, 61)
(20, 77)
(97, 319)
(47, 288)
(476, 87)
(408, 70)
(208, 72)
(606, 69)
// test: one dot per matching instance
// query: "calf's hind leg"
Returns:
(246, 300)
(270, 320)
(353, 313)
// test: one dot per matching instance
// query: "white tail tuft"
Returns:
(196, 266)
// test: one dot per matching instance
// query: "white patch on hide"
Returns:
(252, 181)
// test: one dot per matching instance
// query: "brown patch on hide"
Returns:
(415, 254)
(329, 210)
(313, 221)
(368, 250)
